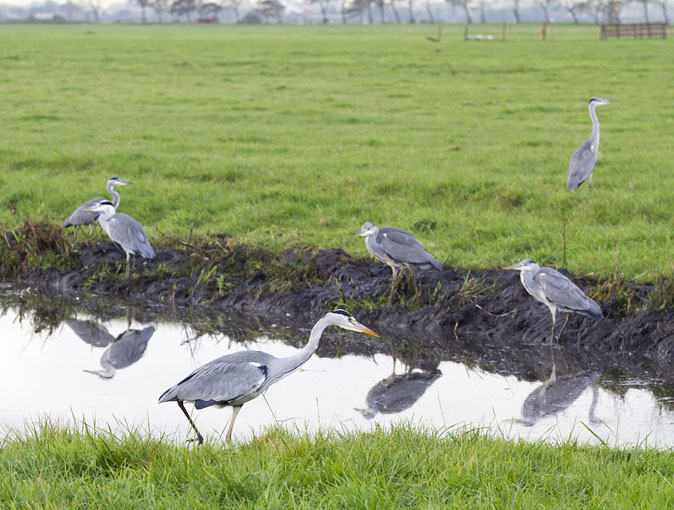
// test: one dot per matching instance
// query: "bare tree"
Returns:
(644, 4)
(159, 7)
(516, 10)
(143, 4)
(234, 5)
(483, 14)
(574, 7)
(395, 11)
(613, 10)
(663, 6)
(429, 11)
(323, 4)
(95, 6)
(271, 9)
(410, 8)
(596, 8)
(464, 4)
(70, 10)
(209, 10)
(183, 8)
(545, 7)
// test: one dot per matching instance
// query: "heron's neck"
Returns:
(291, 363)
(595, 123)
(108, 371)
(113, 193)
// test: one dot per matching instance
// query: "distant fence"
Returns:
(636, 30)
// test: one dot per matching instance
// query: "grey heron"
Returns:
(397, 249)
(125, 350)
(123, 230)
(585, 158)
(91, 332)
(556, 291)
(396, 393)
(83, 216)
(234, 379)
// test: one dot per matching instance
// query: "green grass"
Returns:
(293, 135)
(67, 467)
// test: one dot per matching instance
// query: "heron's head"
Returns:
(118, 181)
(598, 101)
(367, 229)
(345, 320)
(102, 207)
(523, 265)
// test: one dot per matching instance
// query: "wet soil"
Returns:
(459, 315)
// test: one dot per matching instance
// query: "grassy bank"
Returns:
(286, 135)
(60, 467)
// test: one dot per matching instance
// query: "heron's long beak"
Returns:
(516, 266)
(359, 233)
(365, 329)
(128, 182)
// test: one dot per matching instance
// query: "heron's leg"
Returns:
(91, 230)
(128, 266)
(553, 312)
(235, 412)
(564, 328)
(200, 438)
(75, 228)
(393, 284)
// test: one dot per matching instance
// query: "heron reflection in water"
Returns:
(122, 351)
(557, 393)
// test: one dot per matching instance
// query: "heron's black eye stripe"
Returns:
(344, 313)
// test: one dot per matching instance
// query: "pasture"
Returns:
(285, 136)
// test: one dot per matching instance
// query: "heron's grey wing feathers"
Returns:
(91, 332)
(82, 217)
(581, 165)
(561, 291)
(225, 379)
(129, 347)
(126, 231)
(404, 247)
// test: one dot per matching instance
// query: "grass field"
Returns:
(402, 468)
(292, 135)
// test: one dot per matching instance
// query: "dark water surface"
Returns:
(112, 372)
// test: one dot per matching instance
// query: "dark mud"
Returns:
(460, 315)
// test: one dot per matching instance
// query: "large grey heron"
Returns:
(125, 350)
(585, 158)
(397, 249)
(234, 379)
(556, 291)
(123, 230)
(83, 216)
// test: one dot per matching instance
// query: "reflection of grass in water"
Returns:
(286, 135)
(403, 467)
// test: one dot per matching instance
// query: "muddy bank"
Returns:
(459, 313)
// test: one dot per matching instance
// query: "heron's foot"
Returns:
(199, 439)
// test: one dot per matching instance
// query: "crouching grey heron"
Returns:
(234, 379)
(556, 291)
(124, 231)
(585, 158)
(397, 249)
(84, 216)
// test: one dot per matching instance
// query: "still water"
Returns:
(111, 374)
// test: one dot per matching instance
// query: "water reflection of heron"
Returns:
(396, 393)
(91, 332)
(122, 351)
(557, 394)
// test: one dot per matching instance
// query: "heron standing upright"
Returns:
(397, 249)
(556, 291)
(83, 216)
(585, 158)
(124, 231)
(234, 379)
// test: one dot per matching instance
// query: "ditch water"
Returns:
(111, 373)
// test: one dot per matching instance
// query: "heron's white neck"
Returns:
(595, 122)
(287, 365)
(113, 193)
(108, 371)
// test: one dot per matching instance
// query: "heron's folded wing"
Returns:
(582, 163)
(219, 381)
(403, 246)
(561, 291)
